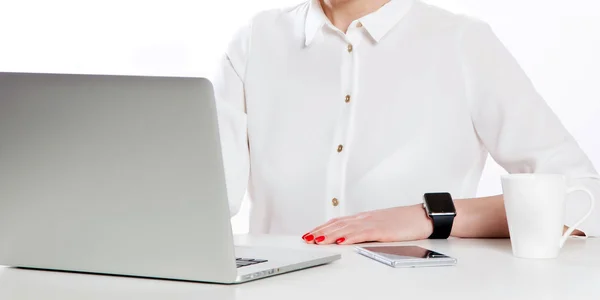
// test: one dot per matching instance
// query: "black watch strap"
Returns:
(442, 226)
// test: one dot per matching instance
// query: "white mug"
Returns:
(535, 210)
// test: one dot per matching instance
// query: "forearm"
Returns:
(483, 218)
(480, 218)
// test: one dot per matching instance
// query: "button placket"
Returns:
(348, 74)
(336, 178)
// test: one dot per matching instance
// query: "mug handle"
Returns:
(592, 204)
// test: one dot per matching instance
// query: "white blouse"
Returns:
(317, 124)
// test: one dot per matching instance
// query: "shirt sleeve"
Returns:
(516, 125)
(231, 110)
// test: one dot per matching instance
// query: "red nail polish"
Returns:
(340, 240)
(309, 238)
(320, 239)
(304, 236)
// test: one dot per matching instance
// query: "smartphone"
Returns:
(406, 256)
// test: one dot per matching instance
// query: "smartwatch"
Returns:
(440, 209)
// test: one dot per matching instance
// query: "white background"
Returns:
(556, 41)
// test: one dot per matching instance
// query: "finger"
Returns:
(359, 236)
(334, 235)
(330, 222)
(316, 232)
(323, 233)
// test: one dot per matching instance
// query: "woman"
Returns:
(337, 116)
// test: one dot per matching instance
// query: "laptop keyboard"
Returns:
(244, 262)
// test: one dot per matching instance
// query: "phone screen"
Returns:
(405, 252)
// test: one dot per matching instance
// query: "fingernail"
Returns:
(340, 240)
(309, 238)
(320, 239)
(304, 236)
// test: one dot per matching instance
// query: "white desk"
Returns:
(486, 270)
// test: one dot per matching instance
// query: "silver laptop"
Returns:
(121, 175)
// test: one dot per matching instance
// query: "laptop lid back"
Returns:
(113, 174)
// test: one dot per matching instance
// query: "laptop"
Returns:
(121, 175)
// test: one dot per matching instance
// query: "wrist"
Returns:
(463, 213)
(425, 224)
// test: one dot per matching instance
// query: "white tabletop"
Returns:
(486, 270)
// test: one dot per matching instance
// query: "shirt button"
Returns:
(347, 99)
(350, 48)
(340, 148)
(335, 202)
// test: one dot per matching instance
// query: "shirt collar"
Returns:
(377, 24)
(315, 19)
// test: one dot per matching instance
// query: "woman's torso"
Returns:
(404, 130)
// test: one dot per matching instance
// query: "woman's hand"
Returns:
(388, 225)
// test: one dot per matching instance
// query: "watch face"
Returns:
(440, 203)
